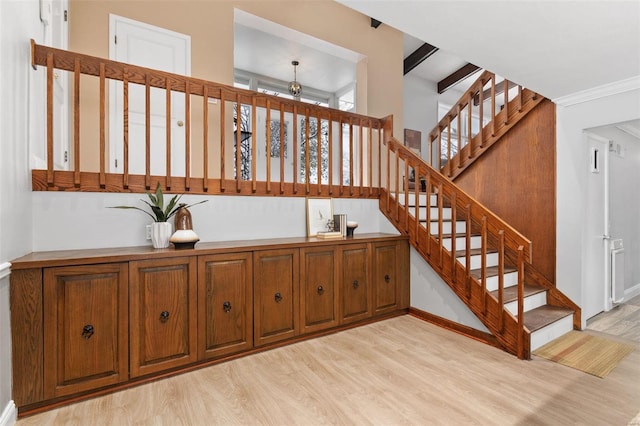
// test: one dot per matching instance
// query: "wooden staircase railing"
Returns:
(335, 153)
(482, 115)
(426, 230)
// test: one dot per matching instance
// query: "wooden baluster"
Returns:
(330, 126)
(501, 279)
(416, 194)
(238, 143)
(125, 126)
(50, 119)
(307, 154)
(205, 137)
(388, 182)
(430, 150)
(295, 145)
(406, 195)
(483, 267)
(459, 154)
(519, 98)
(103, 109)
(379, 157)
(223, 141)
(370, 158)
(187, 135)
(440, 230)
(449, 166)
(168, 130)
(493, 105)
(521, 330)
(360, 159)
(341, 153)
(319, 152)
(268, 145)
(147, 95)
(282, 148)
(439, 153)
(467, 245)
(506, 102)
(481, 114)
(397, 179)
(453, 240)
(76, 122)
(254, 146)
(351, 156)
(428, 189)
(469, 126)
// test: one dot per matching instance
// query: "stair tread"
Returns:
(474, 252)
(457, 235)
(492, 271)
(542, 316)
(511, 293)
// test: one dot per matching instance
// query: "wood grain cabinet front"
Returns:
(385, 277)
(276, 276)
(318, 293)
(354, 283)
(85, 328)
(162, 317)
(225, 304)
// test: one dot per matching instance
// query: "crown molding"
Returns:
(608, 89)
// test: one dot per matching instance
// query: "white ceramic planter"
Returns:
(160, 234)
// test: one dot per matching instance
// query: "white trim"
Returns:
(9, 415)
(608, 89)
(5, 270)
(632, 292)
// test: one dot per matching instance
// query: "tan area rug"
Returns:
(591, 354)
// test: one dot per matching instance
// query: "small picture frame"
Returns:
(319, 213)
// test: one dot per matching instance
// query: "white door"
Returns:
(152, 47)
(596, 243)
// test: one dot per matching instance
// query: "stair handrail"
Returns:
(399, 161)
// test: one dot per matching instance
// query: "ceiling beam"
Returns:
(375, 23)
(419, 55)
(456, 77)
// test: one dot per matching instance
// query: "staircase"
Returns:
(484, 261)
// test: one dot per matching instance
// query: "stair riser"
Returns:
(446, 227)
(551, 332)
(422, 213)
(530, 302)
(510, 279)
(461, 243)
(476, 261)
(422, 199)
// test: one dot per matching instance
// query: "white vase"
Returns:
(160, 234)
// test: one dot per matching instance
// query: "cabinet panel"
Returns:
(385, 279)
(318, 295)
(225, 304)
(276, 275)
(162, 314)
(354, 285)
(85, 328)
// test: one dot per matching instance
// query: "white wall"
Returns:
(19, 22)
(420, 103)
(572, 163)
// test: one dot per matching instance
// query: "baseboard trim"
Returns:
(464, 330)
(632, 292)
(5, 270)
(9, 415)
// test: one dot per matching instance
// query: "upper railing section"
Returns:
(485, 112)
(131, 127)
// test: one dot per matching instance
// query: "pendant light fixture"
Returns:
(294, 87)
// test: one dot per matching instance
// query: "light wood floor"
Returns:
(399, 371)
(622, 321)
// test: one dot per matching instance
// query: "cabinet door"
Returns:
(162, 314)
(225, 304)
(354, 285)
(276, 274)
(385, 277)
(85, 328)
(318, 295)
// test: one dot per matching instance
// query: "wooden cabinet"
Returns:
(318, 293)
(385, 277)
(354, 283)
(162, 314)
(85, 328)
(225, 304)
(276, 282)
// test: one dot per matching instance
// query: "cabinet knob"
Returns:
(320, 290)
(387, 278)
(278, 297)
(87, 331)
(226, 306)
(356, 284)
(164, 316)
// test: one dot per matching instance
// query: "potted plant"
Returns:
(161, 228)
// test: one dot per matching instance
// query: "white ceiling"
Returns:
(556, 48)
